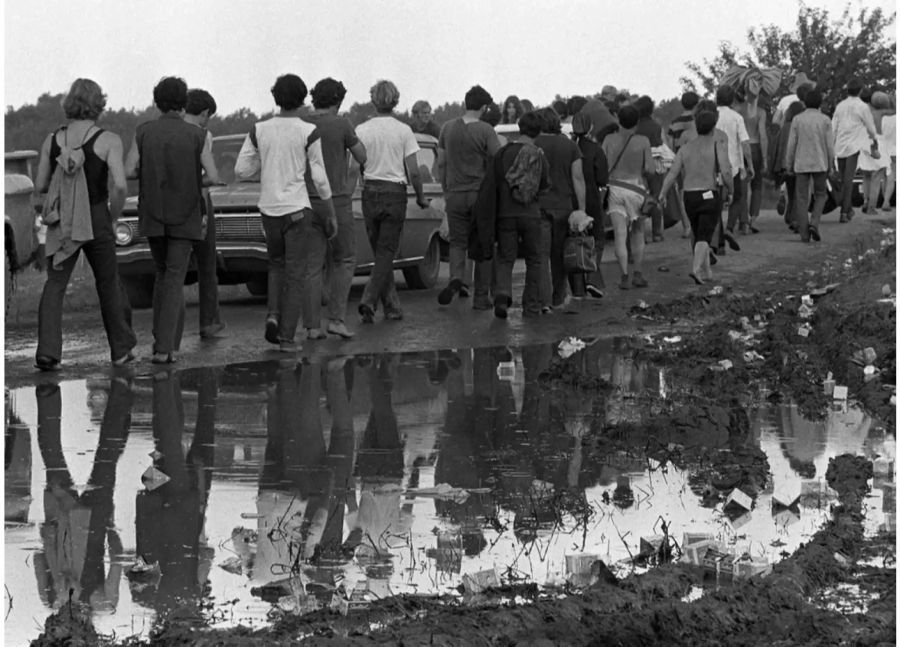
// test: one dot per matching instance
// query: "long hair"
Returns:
(514, 100)
(84, 101)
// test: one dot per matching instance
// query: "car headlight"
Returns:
(124, 233)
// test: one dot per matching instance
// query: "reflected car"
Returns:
(240, 240)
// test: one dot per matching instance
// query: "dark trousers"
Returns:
(207, 280)
(656, 213)
(847, 169)
(101, 254)
(171, 257)
(554, 227)
(737, 210)
(340, 260)
(384, 209)
(296, 246)
(801, 201)
(509, 230)
(790, 184)
(756, 184)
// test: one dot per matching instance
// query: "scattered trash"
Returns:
(152, 478)
(886, 290)
(806, 300)
(842, 559)
(785, 517)
(805, 312)
(893, 400)
(650, 545)
(481, 581)
(662, 268)
(506, 371)
(739, 498)
(155, 455)
(570, 346)
(870, 373)
(717, 562)
(443, 491)
(881, 466)
(695, 552)
(672, 340)
(141, 568)
(717, 291)
(722, 365)
(643, 305)
(828, 384)
(839, 392)
(580, 564)
(752, 356)
(251, 515)
(747, 566)
(741, 520)
(234, 565)
(787, 494)
(804, 330)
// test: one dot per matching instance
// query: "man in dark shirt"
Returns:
(650, 128)
(465, 147)
(167, 157)
(338, 137)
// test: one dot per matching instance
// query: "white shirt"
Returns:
(283, 147)
(888, 146)
(781, 108)
(853, 127)
(732, 124)
(388, 143)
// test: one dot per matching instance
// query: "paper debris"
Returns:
(580, 563)
(152, 478)
(747, 566)
(739, 498)
(717, 291)
(570, 346)
(155, 455)
(752, 356)
(881, 466)
(443, 491)
(481, 580)
(804, 330)
(140, 567)
(234, 565)
(805, 312)
(828, 384)
(506, 371)
(806, 300)
(787, 494)
(839, 392)
(886, 290)
(672, 340)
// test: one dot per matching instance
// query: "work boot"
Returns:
(446, 295)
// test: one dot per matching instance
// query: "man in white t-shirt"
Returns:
(391, 164)
(854, 130)
(278, 149)
(785, 102)
(732, 124)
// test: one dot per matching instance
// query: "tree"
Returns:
(829, 50)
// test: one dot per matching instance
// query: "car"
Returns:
(510, 132)
(20, 215)
(240, 240)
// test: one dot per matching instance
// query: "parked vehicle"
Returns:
(20, 233)
(240, 240)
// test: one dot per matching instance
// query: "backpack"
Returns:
(524, 175)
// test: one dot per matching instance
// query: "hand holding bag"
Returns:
(579, 253)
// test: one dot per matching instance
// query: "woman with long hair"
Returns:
(78, 160)
(701, 162)
(512, 110)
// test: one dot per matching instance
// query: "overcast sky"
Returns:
(431, 50)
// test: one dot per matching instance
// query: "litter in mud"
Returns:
(839, 392)
(570, 346)
(481, 581)
(153, 478)
(828, 384)
(739, 499)
(506, 371)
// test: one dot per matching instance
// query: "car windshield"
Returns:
(225, 153)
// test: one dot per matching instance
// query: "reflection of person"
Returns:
(392, 163)
(169, 519)
(698, 163)
(100, 153)
(423, 120)
(198, 110)
(79, 530)
(167, 157)
(338, 137)
(279, 149)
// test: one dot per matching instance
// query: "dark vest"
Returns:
(169, 203)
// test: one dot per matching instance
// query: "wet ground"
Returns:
(523, 492)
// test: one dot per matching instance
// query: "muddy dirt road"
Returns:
(681, 479)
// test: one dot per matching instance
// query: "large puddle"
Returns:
(382, 474)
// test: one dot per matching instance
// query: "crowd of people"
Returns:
(505, 197)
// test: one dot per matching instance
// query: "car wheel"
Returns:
(139, 291)
(425, 275)
(258, 287)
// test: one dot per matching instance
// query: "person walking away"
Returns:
(391, 164)
(198, 110)
(279, 149)
(565, 194)
(650, 128)
(508, 211)
(168, 157)
(80, 160)
(809, 156)
(465, 147)
(680, 132)
(732, 124)
(701, 163)
(630, 164)
(800, 79)
(604, 122)
(854, 131)
(872, 164)
(338, 138)
(596, 174)
(889, 139)
(423, 120)
(780, 170)
(755, 123)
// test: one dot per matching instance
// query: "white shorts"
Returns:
(626, 203)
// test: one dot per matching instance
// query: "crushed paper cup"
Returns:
(152, 478)
(570, 346)
(506, 371)
(839, 392)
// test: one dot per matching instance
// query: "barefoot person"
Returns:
(700, 163)
(81, 155)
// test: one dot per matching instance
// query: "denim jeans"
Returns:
(847, 169)
(171, 257)
(296, 244)
(101, 254)
(509, 230)
(207, 280)
(384, 208)
(801, 201)
(554, 227)
(340, 261)
(459, 221)
(737, 210)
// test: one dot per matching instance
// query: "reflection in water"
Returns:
(388, 474)
(79, 527)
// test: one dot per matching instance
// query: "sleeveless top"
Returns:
(96, 171)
